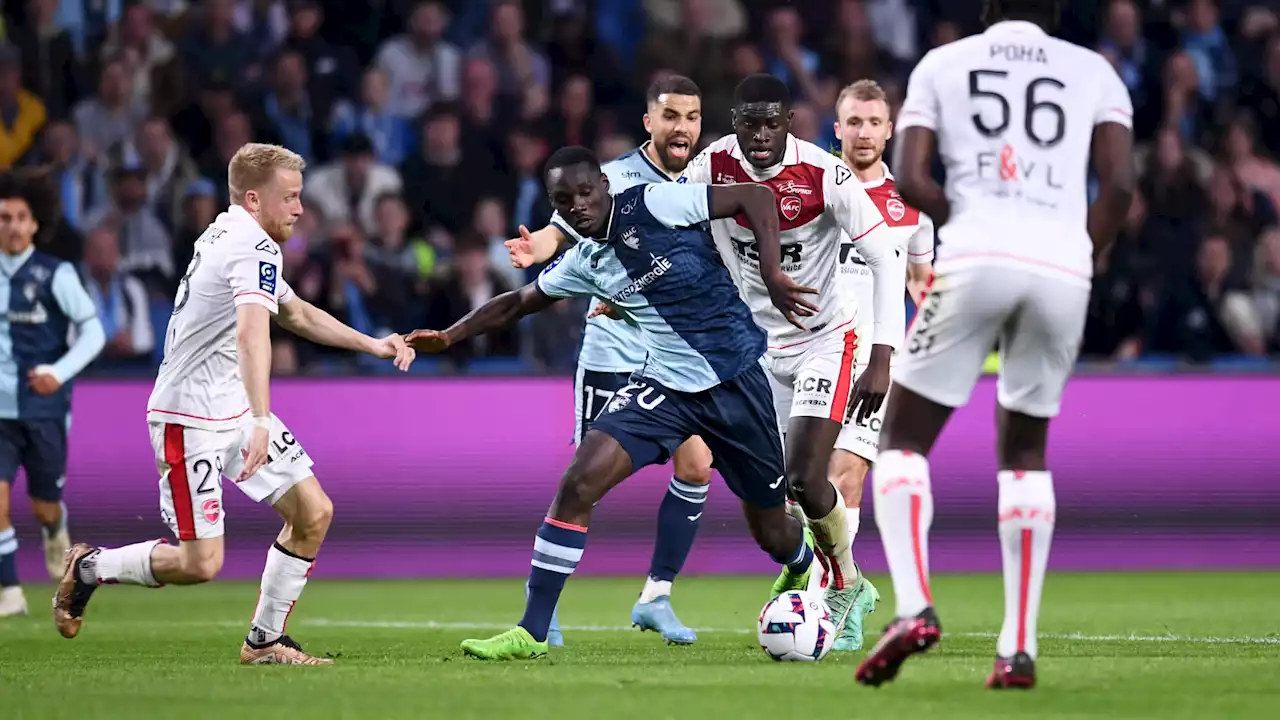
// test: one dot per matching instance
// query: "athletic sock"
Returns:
(1027, 508)
(904, 512)
(283, 580)
(556, 552)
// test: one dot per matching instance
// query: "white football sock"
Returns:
(654, 589)
(904, 512)
(130, 565)
(283, 579)
(831, 534)
(1027, 508)
(853, 518)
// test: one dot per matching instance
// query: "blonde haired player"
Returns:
(864, 127)
(210, 414)
(1016, 116)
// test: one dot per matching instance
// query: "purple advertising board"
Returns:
(451, 477)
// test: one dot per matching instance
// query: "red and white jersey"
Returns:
(1014, 111)
(915, 230)
(235, 263)
(819, 203)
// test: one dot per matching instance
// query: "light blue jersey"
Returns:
(609, 345)
(658, 266)
(41, 299)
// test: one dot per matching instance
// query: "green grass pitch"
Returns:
(1165, 646)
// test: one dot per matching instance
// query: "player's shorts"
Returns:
(735, 419)
(815, 382)
(40, 448)
(593, 390)
(192, 463)
(1036, 320)
(863, 439)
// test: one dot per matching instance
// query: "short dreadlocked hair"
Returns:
(1042, 12)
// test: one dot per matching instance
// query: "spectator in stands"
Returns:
(81, 183)
(574, 123)
(196, 122)
(332, 70)
(490, 222)
(786, 56)
(472, 282)
(441, 182)
(231, 133)
(112, 115)
(168, 167)
(421, 66)
(1209, 315)
(1123, 44)
(1239, 213)
(1208, 46)
(146, 247)
(199, 207)
(521, 66)
(121, 300)
(485, 120)
(526, 195)
(1266, 287)
(147, 54)
(1256, 172)
(347, 189)
(22, 114)
(213, 50)
(50, 68)
(288, 114)
(391, 134)
(393, 247)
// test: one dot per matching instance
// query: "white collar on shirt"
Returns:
(877, 183)
(1017, 27)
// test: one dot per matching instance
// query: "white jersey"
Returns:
(235, 263)
(915, 230)
(1014, 111)
(819, 202)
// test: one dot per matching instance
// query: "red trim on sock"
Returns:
(917, 548)
(1024, 589)
(564, 525)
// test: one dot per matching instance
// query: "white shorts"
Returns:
(863, 439)
(192, 463)
(815, 382)
(1036, 319)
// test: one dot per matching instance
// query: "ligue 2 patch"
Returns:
(267, 277)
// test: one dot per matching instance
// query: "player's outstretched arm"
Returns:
(1113, 165)
(308, 321)
(500, 312)
(756, 202)
(535, 247)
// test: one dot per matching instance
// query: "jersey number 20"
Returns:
(1033, 105)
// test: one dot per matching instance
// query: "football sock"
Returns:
(8, 558)
(129, 565)
(556, 552)
(678, 517)
(1027, 507)
(904, 512)
(832, 536)
(283, 579)
(797, 512)
(799, 559)
(852, 518)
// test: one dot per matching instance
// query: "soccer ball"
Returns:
(796, 627)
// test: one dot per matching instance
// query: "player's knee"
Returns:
(804, 476)
(46, 512)
(848, 473)
(693, 468)
(577, 492)
(314, 518)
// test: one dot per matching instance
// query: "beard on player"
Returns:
(762, 119)
(673, 119)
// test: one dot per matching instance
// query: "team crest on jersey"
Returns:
(267, 276)
(30, 291)
(790, 207)
(631, 238)
(896, 209)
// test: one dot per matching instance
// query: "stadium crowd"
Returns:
(425, 124)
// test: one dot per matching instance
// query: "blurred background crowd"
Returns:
(425, 124)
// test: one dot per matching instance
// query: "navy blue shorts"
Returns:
(40, 447)
(735, 418)
(593, 390)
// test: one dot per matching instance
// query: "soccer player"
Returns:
(864, 127)
(818, 201)
(1016, 116)
(649, 254)
(210, 414)
(612, 351)
(43, 300)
